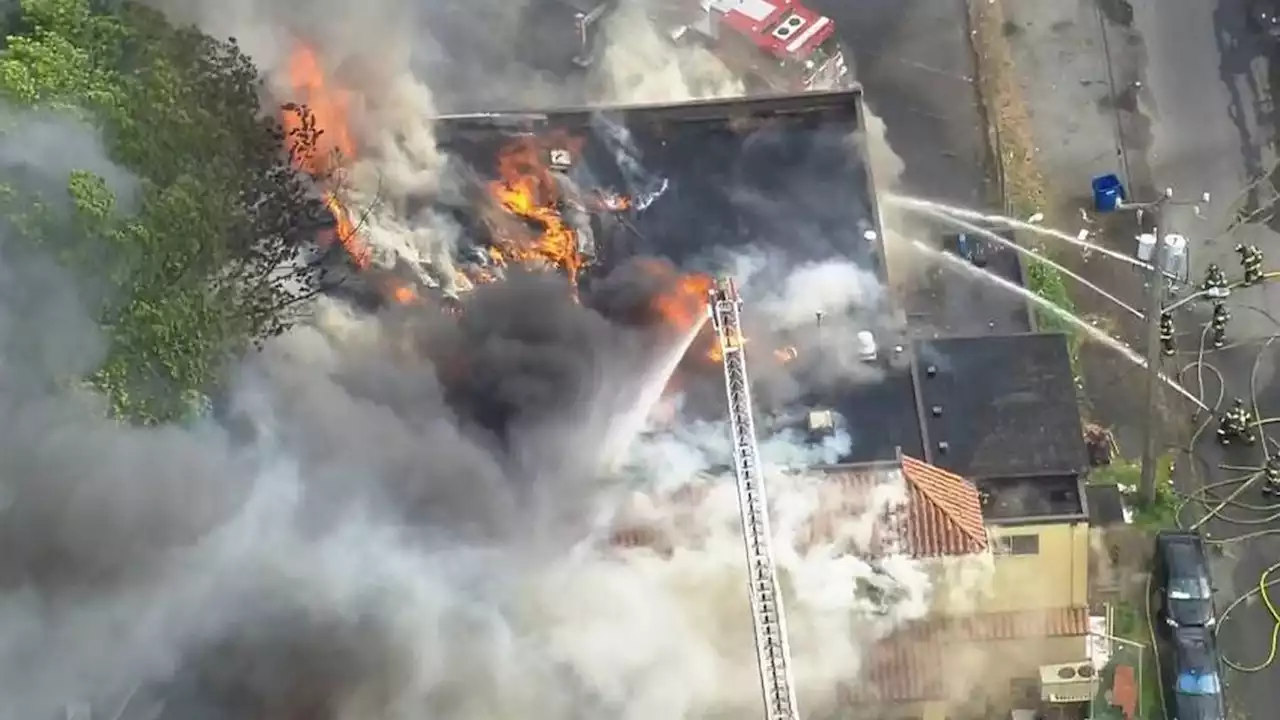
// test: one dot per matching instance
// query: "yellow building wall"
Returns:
(962, 585)
(1055, 576)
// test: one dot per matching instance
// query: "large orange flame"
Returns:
(525, 189)
(682, 301)
(329, 106)
(330, 109)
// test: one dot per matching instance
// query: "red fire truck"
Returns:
(773, 45)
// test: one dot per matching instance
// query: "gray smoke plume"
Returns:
(396, 516)
(375, 550)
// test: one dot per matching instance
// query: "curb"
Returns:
(1009, 144)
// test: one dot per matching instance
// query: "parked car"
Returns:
(1264, 17)
(868, 350)
(1182, 582)
(969, 246)
(1191, 672)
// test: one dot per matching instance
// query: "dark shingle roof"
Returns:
(1005, 406)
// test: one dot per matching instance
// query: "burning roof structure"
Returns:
(679, 181)
(660, 197)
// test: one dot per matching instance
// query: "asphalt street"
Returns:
(1208, 79)
(1246, 633)
(1175, 94)
(915, 63)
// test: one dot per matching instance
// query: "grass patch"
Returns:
(1022, 184)
(1131, 624)
(1127, 474)
(1048, 283)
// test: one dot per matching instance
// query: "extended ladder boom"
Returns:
(772, 648)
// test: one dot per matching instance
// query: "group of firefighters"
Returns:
(1217, 288)
(1239, 423)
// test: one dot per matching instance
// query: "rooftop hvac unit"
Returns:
(788, 27)
(1067, 682)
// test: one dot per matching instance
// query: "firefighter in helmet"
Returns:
(1272, 471)
(572, 203)
(1215, 280)
(1236, 424)
(1218, 325)
(1166, 334)
(1251, 261)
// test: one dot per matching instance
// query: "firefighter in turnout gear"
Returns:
(1236, 424)
(1218, 326)
(1166, 334)
(1272, 471)
(1251, 260)
(1215, 282)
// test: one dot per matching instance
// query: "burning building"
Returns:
(598, 194)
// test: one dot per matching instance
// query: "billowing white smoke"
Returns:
(687, 447)
(641, 66)
(689, 544)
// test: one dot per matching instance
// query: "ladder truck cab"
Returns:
(778, 46)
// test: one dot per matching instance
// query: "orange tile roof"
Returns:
(912, 664)
(948, 520)
(942, 515)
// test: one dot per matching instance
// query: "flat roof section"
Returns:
(1106, 505)
(881, 417)
(786, 174)
(1031, 499)
(952, 300)
(1001, 406)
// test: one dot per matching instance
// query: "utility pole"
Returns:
(1155, 308)
(1156, 275)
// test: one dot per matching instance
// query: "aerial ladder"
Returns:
(773, 651)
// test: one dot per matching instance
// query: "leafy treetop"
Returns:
(206, 264)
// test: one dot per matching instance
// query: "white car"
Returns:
(867, 350)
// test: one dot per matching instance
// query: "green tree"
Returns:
(207, 263)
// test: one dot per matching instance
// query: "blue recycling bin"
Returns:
(1108, 193)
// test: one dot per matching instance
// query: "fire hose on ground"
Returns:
(1208, 495)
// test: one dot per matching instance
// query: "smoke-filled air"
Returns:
(518, 507)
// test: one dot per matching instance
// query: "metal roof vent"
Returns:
(821, 421)
(788, 27)
(936, 410)
(943, 446)
(931, 370)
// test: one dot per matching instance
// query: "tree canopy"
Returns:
(203, 264)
